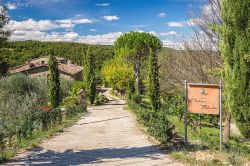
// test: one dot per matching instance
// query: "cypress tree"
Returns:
(54, 82)
(235, 49)
(89, 76)
(154, 84)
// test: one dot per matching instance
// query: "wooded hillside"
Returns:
(16, 53)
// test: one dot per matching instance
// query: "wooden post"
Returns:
(220, 107)
(185, 112)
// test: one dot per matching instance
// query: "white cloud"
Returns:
(43, 25)
(189, 22)
(110, 18)
(174, 45)
(177, 24)
(30, 24)
(11, 6)
(70, 23)
(169, 33)
(162, 14)
(71, 35)
(75, 21)
(82, 21)
(137, 26)
(27, 35)
(106, 39)
(102, 4)
(39, 3)
(206, 9)
(93, 30)
(211, 12)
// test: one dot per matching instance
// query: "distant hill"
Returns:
(16, 53)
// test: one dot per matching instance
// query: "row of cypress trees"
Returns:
(89, 78)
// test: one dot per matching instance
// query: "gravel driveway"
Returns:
(106, 136)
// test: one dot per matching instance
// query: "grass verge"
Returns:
(36, 138)
(203, 146)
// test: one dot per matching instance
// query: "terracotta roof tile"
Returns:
(43, 61)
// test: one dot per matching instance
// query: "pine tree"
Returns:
(89, 76)
(235, 49)
(154, 84)
(54, 82)
(134, 47)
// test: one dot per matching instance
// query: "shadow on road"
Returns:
(104, 120)
(69, 157)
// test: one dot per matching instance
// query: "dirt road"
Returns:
(106, 136)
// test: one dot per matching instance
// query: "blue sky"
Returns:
(100, 21)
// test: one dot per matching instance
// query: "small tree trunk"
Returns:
(137, 78)
(227, 126)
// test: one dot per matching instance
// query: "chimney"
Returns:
(69, 62)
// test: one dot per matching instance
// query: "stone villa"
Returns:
(39, 67)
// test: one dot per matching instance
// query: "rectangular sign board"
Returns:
(203, 98)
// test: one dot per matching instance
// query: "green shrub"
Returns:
(101, 99)
(76, 87)
(73, 110)
(136, 98)
(23, 107)
(20, 84)
(237, 147)
(174, 105)
(65, 88)
(156, 122)
(71, 100)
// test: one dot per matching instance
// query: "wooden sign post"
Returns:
(203, 99)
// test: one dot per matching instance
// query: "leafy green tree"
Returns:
(134, 46)
(117, 74)
(54, 81)
(235, 50)
(4, 34)
(89, 75)
(154, 84)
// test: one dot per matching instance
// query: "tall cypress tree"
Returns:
(235, 49)
(54, 82)
(89, 76)
(154, 84)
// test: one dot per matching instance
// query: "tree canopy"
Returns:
(134, 47)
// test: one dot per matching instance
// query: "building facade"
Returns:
(39, 67)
